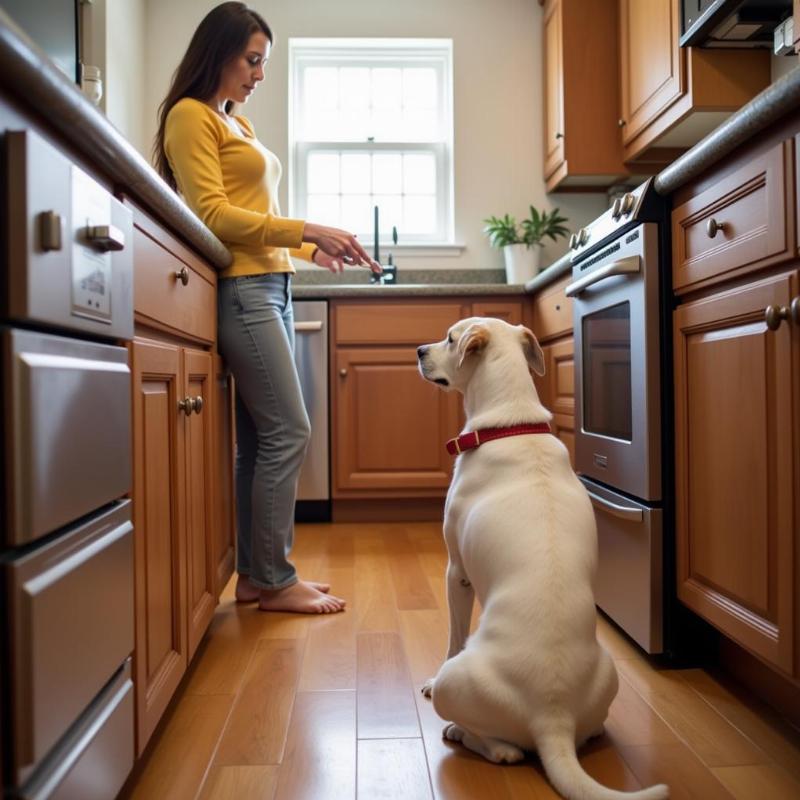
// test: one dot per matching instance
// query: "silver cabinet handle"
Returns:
(624, 266)
(623, 512)
(303, 327)
(182, 275)
(712, 226)
(106, 237)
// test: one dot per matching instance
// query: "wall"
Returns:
(497, 97)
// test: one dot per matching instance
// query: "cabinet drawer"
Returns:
(738, 225)
(395, 323)
(552, 312)
(185, 306)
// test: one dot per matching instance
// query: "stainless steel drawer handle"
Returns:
(303, 327)
(105, 237)
(182, 275)
(712, 227)
(624, 266)
(622, 512)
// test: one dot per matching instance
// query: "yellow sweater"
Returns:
(232, 185)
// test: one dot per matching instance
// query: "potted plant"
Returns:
(522, 244)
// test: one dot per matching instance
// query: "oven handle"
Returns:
(623, 512)
(624, 266)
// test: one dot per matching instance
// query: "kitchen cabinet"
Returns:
(389, 425)
(736, 348)
(552, 324)
(582, 147)
(736, 422)
(671, 96)
(183, 465)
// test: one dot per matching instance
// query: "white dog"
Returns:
(520, 533)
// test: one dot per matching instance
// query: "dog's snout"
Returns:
(421, 350)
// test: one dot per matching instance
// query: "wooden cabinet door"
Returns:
(390, 425)
(736, 466)
(201, 577)
(556, 389)
(224, 508)
(652, 64)
(160, 655)
(506, 310)
(553, 88)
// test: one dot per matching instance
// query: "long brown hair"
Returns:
(220, 37)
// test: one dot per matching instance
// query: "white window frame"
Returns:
(434, 53)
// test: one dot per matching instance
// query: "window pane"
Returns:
(323, 173)
(419, 125)
(323, 209)
(386, 88)
(419, 88)
(321, 125)
(356, 171)
(419, 173)
(321, 89)
(390, 213)
(357, 213)
(386, 173)
(354, 85)
(386, 126)
(419, 213)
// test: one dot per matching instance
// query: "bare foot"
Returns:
(302, 598)
(246, 592)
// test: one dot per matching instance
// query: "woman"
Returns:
(230, 181)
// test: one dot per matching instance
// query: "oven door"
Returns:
(617, 369)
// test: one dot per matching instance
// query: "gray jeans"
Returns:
(256, 339)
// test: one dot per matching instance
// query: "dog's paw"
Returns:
(427, 687)
(452, 732)
(504, 753)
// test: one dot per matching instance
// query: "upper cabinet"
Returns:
(671, 97)
(582, 147)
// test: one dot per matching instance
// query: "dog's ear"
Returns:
(533, 352)
(473, 340)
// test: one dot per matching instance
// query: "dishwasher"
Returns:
(311, 357)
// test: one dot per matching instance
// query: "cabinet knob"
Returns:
(559, 135)
(712, 226)
(342, 373)
(186, 405)
(774, 315)
(182, 275)
(621, 123)
(197, 404)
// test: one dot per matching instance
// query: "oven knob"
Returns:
(627, 203)
(616, 209)
(583, 236)
(573, 242)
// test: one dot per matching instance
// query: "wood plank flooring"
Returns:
(284, 707)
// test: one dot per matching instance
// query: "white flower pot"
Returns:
(522, 263)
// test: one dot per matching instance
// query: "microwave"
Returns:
(731, 23)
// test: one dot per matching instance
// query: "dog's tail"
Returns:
(560, 762)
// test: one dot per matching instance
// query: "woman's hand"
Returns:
(340, 246)
(322, 259)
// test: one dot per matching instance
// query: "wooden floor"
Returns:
(283, 707)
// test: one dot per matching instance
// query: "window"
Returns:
(371, 125)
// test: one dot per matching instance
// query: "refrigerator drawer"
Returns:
(68, 430)
(629, 582)
(95, 758)
(71, 608)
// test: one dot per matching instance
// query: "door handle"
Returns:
(622, 512)
(624, 266)
(307, 327)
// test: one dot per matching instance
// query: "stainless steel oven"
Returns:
(620, 416)
(618, 385)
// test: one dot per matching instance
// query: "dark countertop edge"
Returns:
(547, 276)
(777, 100)
(326, 291)
(30, 76)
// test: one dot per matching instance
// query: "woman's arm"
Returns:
(191, 142)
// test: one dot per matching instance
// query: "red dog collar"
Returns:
(473, 439)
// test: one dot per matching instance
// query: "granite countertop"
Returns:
(323, 291)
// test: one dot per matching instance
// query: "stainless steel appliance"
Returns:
(731, 23)
(621, 415)
(66, 561)
(311, 358)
